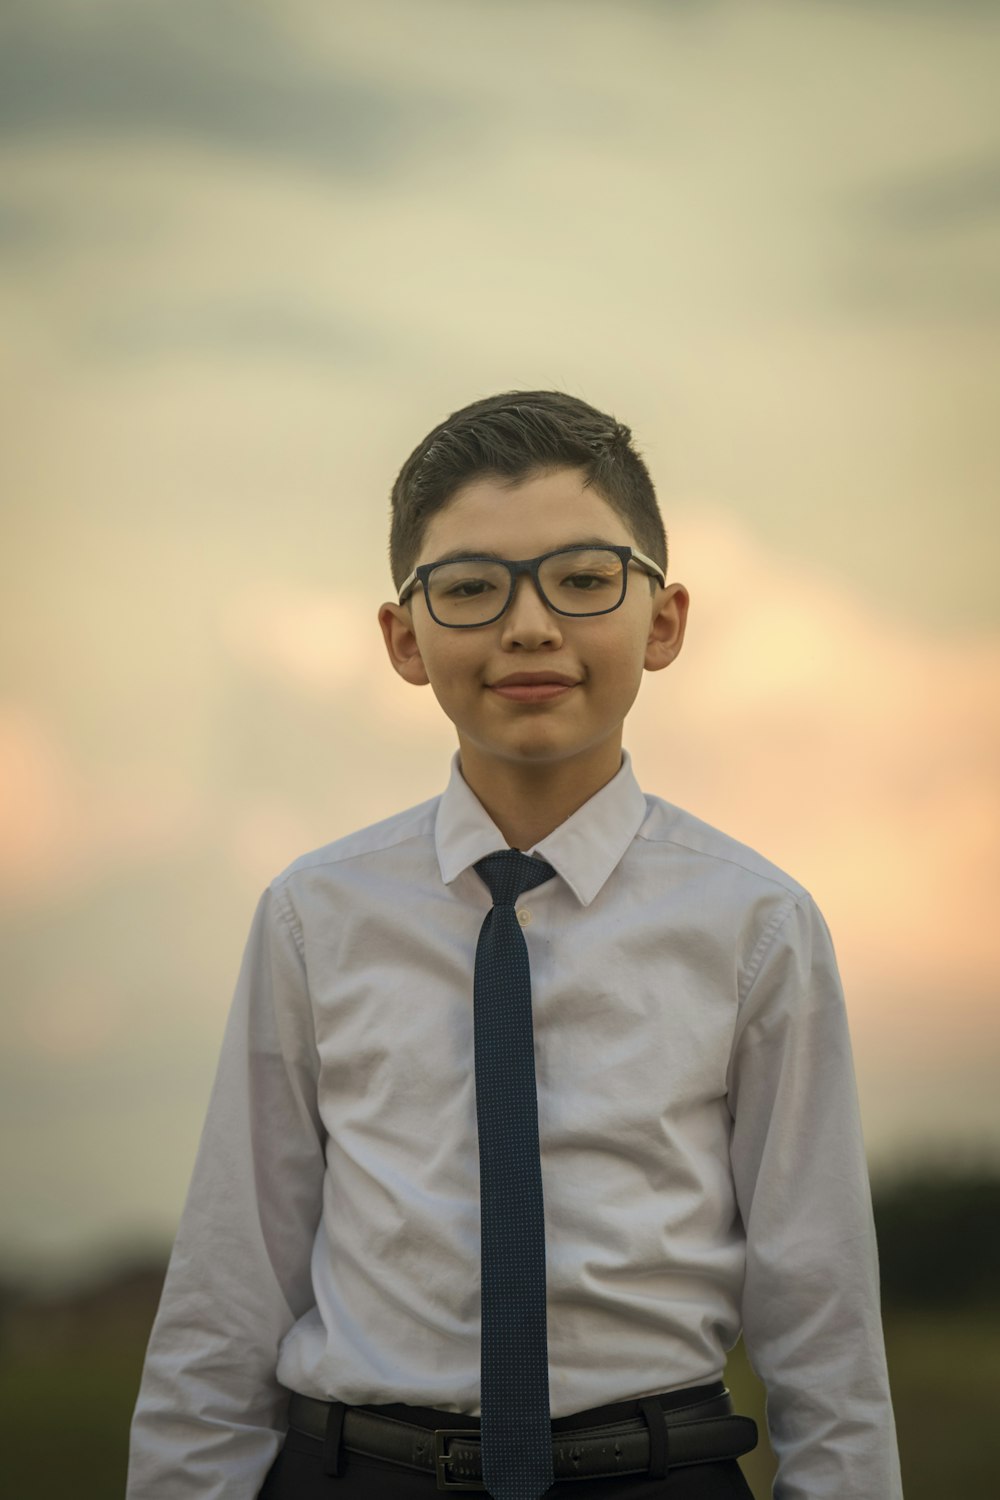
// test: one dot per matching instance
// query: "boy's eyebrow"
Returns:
(457, 554)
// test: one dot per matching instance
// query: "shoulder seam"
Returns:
(284, 907)
(297, 865)
(789, 884)
(766, 941)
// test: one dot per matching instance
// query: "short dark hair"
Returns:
(512, 437)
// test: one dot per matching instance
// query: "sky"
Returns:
(250, 254)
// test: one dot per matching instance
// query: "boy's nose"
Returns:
(529, 621)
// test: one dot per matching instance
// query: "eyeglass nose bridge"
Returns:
(517, 570)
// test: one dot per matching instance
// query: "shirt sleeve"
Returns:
(209, 1417)
(811, 1315)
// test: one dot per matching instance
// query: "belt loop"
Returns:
(331, 1442)
(659, 1437)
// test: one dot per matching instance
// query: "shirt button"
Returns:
(523, 915)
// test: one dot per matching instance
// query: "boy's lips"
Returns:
(533, 687)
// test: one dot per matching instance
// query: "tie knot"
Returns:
(509, 873)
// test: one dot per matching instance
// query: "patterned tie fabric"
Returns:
(514, 1400)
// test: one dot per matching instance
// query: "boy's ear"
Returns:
(401, 643)
(666, 628)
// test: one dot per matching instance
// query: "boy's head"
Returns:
(512, 479)
(510, 437)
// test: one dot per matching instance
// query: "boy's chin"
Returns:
(533, 749)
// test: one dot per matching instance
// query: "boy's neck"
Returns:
(527, 800)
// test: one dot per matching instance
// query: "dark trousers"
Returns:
(298, 1471)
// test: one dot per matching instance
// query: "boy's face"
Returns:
(601, 657)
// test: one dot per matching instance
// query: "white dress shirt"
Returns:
(702, 1158)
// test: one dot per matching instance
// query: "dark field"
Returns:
(69, 1371)
(944, 1369)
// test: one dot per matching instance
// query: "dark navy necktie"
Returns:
(514, 1397)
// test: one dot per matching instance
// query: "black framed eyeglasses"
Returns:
(463, 592)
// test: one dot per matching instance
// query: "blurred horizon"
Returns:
(249, 255)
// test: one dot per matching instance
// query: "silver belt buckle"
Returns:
(442, 1458)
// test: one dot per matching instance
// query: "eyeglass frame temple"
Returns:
(530, 565)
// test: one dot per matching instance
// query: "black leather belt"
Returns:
(705, 1431)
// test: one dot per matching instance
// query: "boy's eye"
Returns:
(584, 582)
(588, 582)
(467, 588)
(570, 576)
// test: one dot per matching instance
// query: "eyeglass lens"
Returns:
(584, 581)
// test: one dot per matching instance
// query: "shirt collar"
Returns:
(583, 851)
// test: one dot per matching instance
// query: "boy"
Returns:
(355, 1279)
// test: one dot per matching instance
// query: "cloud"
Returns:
(225, 75)
(27, 225)
(60, 828)
(933, 9)
(325, 645)
(928, 241)
(963, 193)
(231, 328)
(317, 642)
(854, 749)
